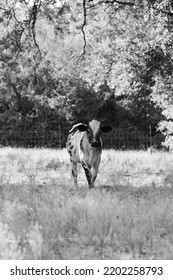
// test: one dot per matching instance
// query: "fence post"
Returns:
(150, 136)
(59, 130)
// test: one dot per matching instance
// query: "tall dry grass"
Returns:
(128, 215)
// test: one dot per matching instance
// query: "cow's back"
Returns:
(73, 145)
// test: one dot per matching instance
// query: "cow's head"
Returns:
(94, 130)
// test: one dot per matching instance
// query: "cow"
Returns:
(84, 146)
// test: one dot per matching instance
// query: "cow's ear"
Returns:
(106, 128)
(82, 127)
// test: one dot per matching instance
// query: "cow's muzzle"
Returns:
(96, 144)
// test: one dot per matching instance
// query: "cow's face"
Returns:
(94, 130)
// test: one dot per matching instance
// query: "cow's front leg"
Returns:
(88, 174)
(74, 172)
(95, 170)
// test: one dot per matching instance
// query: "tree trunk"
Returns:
(18, 98)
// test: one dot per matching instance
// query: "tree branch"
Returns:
(83, 26)
(130, 2)
(33, 19)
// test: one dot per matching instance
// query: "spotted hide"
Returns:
(84, 146)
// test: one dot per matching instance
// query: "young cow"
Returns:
(84, 145)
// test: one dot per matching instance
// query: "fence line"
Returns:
(57, 139)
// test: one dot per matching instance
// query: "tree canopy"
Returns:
(67, 61)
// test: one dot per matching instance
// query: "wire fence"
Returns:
(57, 139)
(30, 139)
(131, 141)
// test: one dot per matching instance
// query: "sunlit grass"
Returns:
(129, 213)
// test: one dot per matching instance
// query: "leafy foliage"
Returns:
(63, 62)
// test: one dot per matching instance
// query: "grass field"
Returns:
(128, 215)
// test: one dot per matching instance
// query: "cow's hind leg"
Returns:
(88, 174)
(74, 172)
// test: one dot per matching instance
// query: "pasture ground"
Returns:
(128, 215)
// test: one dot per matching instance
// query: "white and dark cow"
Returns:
(84, 146)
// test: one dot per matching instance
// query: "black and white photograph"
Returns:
(86, 131)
